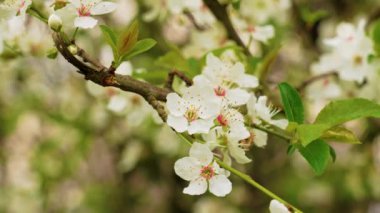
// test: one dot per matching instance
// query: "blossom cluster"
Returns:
(222, 108)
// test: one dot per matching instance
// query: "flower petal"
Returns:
(220, 185)
(260, 138)
(277, 207)
(188, 168)
(237, 97)
(248, 81)
(174, 104)
(200, 126)
(179, 124)
(103, 8)
(85, 22)
(202, 153)
(196, 187)
(237, 153)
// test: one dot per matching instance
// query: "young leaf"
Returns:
(110, 37)
(128, 39)
(340, 134)
(317, 154)
(292, 103)
(376, 36)
(336, 113)
(140, 47)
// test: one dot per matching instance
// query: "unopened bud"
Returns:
(55, 22)
(73, 49)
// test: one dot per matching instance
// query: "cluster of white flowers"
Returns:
(222, 107)
(349, 55)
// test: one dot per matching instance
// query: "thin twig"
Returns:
(315, 78)
(192, 19)
(179, 74)
(220, 13)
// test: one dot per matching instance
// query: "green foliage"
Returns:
(52, 53)
(127, 44)
(311, 17)
(292, 103)
(376, 36)
(336, 113)
(317, 154)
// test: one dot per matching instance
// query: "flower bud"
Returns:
(55, 22)
(73, 49)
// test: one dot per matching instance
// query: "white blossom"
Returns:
(87, 8)
(277, 207)
(227, 80)
(194, 112)
(260, 111)
(10, 8)
(349, 53)
(202, 172)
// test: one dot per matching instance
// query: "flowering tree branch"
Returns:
(315, 78)
(179, 74)
(220, 13)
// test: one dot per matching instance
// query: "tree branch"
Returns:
(315, 78)
(179, 74)
(96, 74)
(220, 13)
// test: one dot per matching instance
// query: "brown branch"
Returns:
(220, 13)
(198, 26)
(179, 74)
(315, 78)
(95, 74)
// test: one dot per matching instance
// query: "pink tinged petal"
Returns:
(202, 153)
(103, 8)
(237, 153)
(237, 97)
(260, 138)
(85, 22)
(179, 124)
(277, 207)
(200, 126)
(220, 185)
(196, 187)
(188, 168)
(175, 104)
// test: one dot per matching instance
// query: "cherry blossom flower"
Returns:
(10, 8)
(87, 8)
(277, 207)
(225, 78)
(349, 53)
(260, 111)
(202, 172)
(194, 112)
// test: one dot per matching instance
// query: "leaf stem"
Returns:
(74, 34)
(36, 13)
(255, 184)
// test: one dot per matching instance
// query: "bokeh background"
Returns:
(67, 145)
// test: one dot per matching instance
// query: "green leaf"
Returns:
(332, 154)
(334, 114)
(52, 53)
(109, 35)
(128, 39)
(317, 154)
(292, 103)
(340, 134)
(376, 35)
(140, 47)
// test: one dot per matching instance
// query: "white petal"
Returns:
(188, 168)
(282, 123)
(117, 103)
(179, 124)
(103, 8)
(202, 153)
(248, 81)
(76, 3)
(237, 97)
(196, 187)
(212, 61)
(200, 126)
(237, 153)
(260, 138)
(238, 132)
(220, 185)
(174, 104)
(85, 22)
(277, 207)
(263, 33)
(124, 68)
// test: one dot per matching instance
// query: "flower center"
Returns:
(220, 91)
(358, 60)
(207, 172)
(84, 10)
(191, 113)
(250, 29)
(222, 120)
